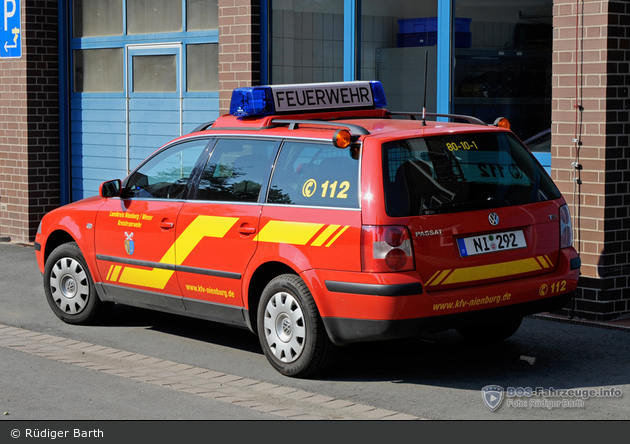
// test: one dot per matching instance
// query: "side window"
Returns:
(236, 171)
(315, 175)
(166, 175)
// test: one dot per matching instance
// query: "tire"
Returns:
(290, 329)
(69, 287)
(491, 333)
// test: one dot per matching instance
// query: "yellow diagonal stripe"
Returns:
(330, 229)
(154, 278)
(116, 272)
(492, 271)
(296, 233)
(438, 279)
(336, 236)
(202, 226)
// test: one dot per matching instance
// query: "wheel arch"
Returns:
(56, 238)
(259, 279)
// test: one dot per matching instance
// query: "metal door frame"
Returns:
(176, 48)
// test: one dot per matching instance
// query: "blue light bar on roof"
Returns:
(274, 99)
(251, 101)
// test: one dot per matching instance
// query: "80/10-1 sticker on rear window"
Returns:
(491, 243)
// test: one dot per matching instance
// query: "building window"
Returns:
(155, 73)
(154, 16)
(94, 18)
(98, 70)
(505, 70)
(307, 41)
(202, 67)
(395, 37)
(202, 15)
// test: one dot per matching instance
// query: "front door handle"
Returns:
(166, 225)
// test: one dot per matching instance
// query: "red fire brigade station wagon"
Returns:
(314, 217)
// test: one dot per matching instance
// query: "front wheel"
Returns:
(69, 287)
(493, 332)
(290, 329)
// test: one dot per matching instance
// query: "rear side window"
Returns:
(314, 174)
(461, 172)
(236, 171)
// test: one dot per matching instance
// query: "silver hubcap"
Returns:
(69, 286)
(285, 330)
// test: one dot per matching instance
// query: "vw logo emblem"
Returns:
(286, 326)
(493, 218)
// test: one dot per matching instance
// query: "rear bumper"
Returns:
(344, 331)
(358, 307)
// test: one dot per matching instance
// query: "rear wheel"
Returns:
(69, 287)
(290, 328)
(493, 332)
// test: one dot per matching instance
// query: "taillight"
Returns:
(386, 248)
(566, 230)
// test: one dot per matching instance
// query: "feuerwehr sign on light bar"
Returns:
(322, 96)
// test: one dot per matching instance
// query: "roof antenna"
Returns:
(424, 104)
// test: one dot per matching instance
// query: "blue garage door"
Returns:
(141, 74)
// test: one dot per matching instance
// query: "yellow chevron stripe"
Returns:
(440, 277)
(202, 226)
(155, 278)
(116, 272)
(337, 236)
(430, 281)
(492, 271)
(325, 235)
(282, 232)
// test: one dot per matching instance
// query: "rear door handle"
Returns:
(247, 230)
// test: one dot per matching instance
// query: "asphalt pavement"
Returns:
(143, 365)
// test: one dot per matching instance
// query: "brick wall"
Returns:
(590, 102)
(29, 125)
(239, 47)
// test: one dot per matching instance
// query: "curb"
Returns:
(604, 325)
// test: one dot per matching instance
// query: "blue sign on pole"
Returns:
(11, 29)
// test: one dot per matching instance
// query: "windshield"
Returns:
(461, 172)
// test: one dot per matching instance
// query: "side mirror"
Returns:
(111, 188)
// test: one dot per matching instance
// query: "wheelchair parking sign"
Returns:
(11, 31)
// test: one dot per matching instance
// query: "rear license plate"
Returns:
(491, 243)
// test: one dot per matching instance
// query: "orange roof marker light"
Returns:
(258, 101)
(342, 138)
(502, 122)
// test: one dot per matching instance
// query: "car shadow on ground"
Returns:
(191, 328)
(541, 354)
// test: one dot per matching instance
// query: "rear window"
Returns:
(461, 172)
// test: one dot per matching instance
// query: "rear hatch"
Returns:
(479, 207)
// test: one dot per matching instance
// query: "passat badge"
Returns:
(129, 244)
(492, 396)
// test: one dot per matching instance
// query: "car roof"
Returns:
(376, 123)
